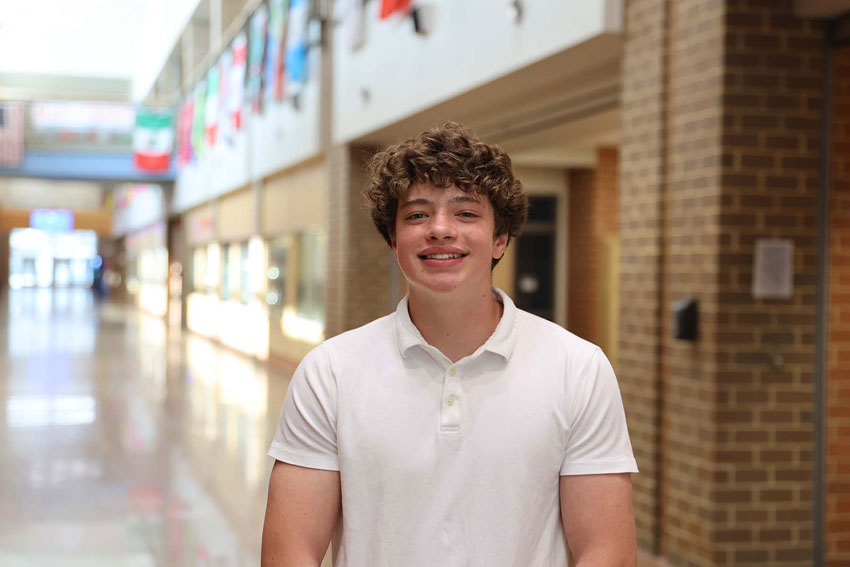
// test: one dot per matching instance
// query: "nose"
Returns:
(441, 227)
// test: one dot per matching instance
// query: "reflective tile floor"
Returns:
(122, 447)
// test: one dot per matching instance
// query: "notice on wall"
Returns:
(773, 269)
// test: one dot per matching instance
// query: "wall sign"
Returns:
(773, 269)
(52, 220)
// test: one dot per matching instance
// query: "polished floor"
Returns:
(122, 446)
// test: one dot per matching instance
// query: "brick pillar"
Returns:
(838, 364)
(594, 214)
(360, 263)
(690, 264)
(607, 230)
(641, 180)
(766, 348)
(583, 287)
(719, 148)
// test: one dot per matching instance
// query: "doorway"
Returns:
(534, 277)
(39, 258)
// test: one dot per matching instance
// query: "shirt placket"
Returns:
(450, 403)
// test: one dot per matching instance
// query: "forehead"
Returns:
(426, 191)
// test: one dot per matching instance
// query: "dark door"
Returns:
(534, 279)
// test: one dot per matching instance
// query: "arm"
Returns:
(598, 519)
(301, 514)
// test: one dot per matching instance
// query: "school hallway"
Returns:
(120, 447)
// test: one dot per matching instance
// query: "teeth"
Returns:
(442, 256)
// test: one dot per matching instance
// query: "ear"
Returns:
(499, 245)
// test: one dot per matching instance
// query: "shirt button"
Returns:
(428, 350)
(450, 400)
(452, 371)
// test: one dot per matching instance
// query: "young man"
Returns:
(458, 431)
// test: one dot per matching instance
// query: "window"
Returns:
(245, 290)
(279, 250)
(212, 276)
(296, 283)
(225, 272)
(199, 269)
(312, 259)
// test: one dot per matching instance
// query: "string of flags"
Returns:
(266, 63)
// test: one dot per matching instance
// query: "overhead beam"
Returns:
(30, 87)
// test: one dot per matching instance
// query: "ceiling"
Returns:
(100, 50)
(570, 145)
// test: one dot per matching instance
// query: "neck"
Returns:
(454, 323)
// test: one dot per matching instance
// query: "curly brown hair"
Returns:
(444, 156)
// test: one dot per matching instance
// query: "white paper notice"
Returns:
(773, 269)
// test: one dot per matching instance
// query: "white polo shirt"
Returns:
(458, 464)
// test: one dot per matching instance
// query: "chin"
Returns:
(442, 287)
(434, 286)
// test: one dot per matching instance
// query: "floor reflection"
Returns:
(123, 446)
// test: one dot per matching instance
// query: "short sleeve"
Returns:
(598, 438)
(306, 432)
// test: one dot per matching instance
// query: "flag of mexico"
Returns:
(152, 140)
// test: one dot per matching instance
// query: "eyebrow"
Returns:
(458, 199)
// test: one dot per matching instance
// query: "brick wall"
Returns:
(838, 364)
(766, 348)
(608, 234)
(360, 263)
(607, 218)
(593, 217)
(719, 148)
(583, 286)
(692, 205)
(641, 178)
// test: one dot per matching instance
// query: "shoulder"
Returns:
(539, 334)
(374, 339)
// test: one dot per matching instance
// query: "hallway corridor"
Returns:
(120, 447)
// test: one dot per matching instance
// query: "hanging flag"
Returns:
(225, 130)
(296, 46)
(11, 135)
(259, 22)
(178, 134)
(390, 7)
(153, 140)
(353, 23)
(184, 132)
(237, 80)
(278, 10)
(198, 119)
(211, 104)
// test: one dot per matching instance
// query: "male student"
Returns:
(459, 430)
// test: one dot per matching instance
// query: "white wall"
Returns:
(137, 206)
(269, 142)
(472, 42)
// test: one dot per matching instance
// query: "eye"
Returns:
(415, 216)
(468, 214)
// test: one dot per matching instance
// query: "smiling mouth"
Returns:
(441, 256)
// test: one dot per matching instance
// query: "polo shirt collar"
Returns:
(501, 342)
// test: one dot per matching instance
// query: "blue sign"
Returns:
(52, 220)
